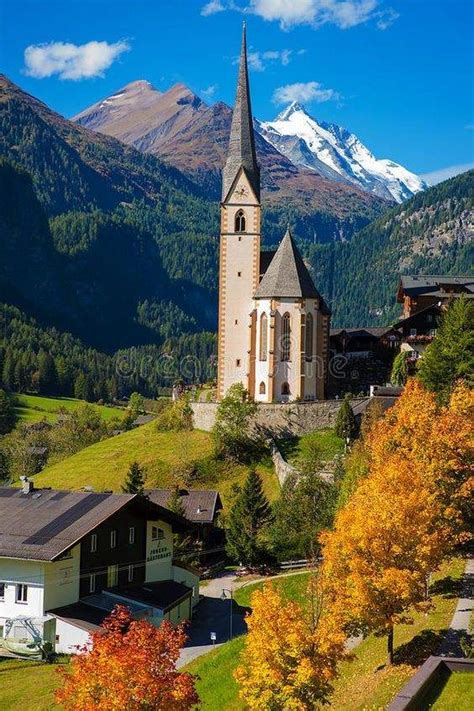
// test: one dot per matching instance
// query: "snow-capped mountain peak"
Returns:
(334, 151)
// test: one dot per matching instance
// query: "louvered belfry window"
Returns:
(240, 221)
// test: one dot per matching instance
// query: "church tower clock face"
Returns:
(242, 191)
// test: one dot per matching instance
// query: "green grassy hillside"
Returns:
(166, 457)
(33, 408)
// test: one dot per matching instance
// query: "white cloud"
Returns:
(258, 60)
(210, 91)
(71, 61)
(304, 92)
(437, 176)
(212, 7)
(289, 13)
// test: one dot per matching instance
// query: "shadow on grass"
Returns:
(418, 649)
(448, 587)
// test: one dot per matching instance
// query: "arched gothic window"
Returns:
(262, 389)
(240, 221)
(285, 337)
(285, 389)
(309, 336)
(263, 336)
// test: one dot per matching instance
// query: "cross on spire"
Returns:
(241, 151)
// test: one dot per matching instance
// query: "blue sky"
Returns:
(399, 73)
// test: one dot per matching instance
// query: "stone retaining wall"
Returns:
(279, 420)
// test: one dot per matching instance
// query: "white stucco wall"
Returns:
(30, 573)
(70, 637)
(182, 575)
(62, 580)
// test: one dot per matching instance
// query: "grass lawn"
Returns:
(456, 692)
(293, 587)
(29, 685)
(364, 683)
(33, 408)
(328, 443)
(104, 465)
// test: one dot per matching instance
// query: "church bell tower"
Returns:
(239, 260)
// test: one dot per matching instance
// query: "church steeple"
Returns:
(241, 152)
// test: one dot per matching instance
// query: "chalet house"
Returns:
(362, 342)
(201, 507)
(424, 298)
(416, 293)
(67, 558)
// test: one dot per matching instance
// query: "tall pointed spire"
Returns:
(241, 152)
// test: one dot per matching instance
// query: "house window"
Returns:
(112, 576)
(21, 593)
(236, 321)
(2, 591)
(239, 274)
(286, 338)
(113, 539)
(93, 542)
(92, 583)
(309, 336)
(240, 221)
(429, 318)
(263, 336)
(412, 331)
(262, 388)
(130, 573)
(1, 631)
(157, 534)
(237, 362)
(131, 534)
(433, 331)
(285, 389)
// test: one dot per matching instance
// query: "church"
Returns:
(273, 324)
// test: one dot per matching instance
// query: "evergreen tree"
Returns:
(175, 503)
(7, 413)
(346, 425)
(80, 386)
(135, 481)
(8, 372)
(248, 520)
(450, 357)
(47, 375)
(399, 375)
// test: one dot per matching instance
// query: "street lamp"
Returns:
(231, 598)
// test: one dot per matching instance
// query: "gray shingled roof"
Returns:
(200, 505)
(287, 275)
(44, 523)
(241, 151)
(430, 284)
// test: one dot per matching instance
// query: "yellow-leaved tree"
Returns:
(290, 655)
(404, 516)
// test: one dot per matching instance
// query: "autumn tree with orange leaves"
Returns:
(130, 664)
(405, 515)
(290, 655)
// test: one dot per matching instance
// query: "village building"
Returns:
(67, 558)
(273, 323)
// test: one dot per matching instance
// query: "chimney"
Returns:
(27, 485)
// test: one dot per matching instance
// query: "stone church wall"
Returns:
(279, 420)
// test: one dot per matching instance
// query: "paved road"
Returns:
(213, 615)
(460, 624)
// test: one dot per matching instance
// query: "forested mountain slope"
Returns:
(433, 233)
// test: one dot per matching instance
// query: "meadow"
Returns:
(34, 408)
